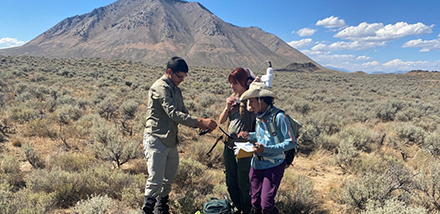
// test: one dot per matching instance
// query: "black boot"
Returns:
(162, 205)
(149, 203)
(275, 211)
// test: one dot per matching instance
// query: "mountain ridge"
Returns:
(153, 30)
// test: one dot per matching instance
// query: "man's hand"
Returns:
(206, 124)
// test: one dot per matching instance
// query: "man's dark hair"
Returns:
(177, 64)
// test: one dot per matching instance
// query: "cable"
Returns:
(270, 65)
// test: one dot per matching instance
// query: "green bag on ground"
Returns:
(217, 206)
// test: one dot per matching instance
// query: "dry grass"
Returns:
(353, 126)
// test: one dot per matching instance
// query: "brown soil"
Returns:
(326, 178)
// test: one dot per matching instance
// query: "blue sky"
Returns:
(355, 35)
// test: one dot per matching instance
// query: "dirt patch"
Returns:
(327, 178)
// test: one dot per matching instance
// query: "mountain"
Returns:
(154, 30)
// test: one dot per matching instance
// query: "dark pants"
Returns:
(237, 179)
(264, 187)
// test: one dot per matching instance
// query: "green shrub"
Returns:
(429, 123)
(106, 107)
(200, 149)
(20, 88)
(207, 99)
(428, 182)
(329, 143)
(67, 187)
(328, 123)
(33, 156)
(359, 136)
(23, 97)
(102, 180)
(310, 134)
(128, 109)
(27, 201)
(387, 110)
(346, 154)
(40, 127)
(216, 88)
(98, 97)
(432, 143)
(381, 180)
(207, 113)
(41, 90)
(191, 176)
(10, 170)
(22, 114)
(66, 99)
(410, 132)
(190, 202)
(5, 196)
(296, 195)
(112, 146)
(82, 103)
(361, 112)
(391, 206)
(2, 99)
(72, 162)
(408, 114)
(191, 105)
(66, 113)
(130, 195)
(85, 124)
(96, 204)
(303, 106)
(103, 132)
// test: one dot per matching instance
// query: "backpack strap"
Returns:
(272, 124)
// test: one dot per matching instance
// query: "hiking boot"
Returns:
(162, 205)
(149, 203)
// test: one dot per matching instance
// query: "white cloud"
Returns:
(370, 64)
(362, 30)
(370, 36)
(351, 62)
(306, 32)
(331, 22)
(324, 56)
(379, 32)
(425, 45)
(355, 45)
(315, 53)
(10, 42)
(301, 43)
(363, 58)
(408, 65)
(398, 64)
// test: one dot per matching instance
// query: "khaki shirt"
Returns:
(166, 111)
